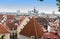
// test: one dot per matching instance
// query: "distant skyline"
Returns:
(27, 5)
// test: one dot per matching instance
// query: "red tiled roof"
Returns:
(3, 29)
(32, 29)
(11, 25)
(10, 17)
(50, 35)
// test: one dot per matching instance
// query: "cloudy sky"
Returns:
(25, 5)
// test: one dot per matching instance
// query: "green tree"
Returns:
(58, 4)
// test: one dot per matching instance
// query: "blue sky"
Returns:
(25, 5)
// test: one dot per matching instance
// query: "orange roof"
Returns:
(32, 29)
(3, 29)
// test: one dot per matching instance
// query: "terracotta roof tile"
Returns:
(11, 25)
(10, 17)
(3, 29)
(50, 35)
(32, 29)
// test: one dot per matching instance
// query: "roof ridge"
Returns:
(35, 27)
